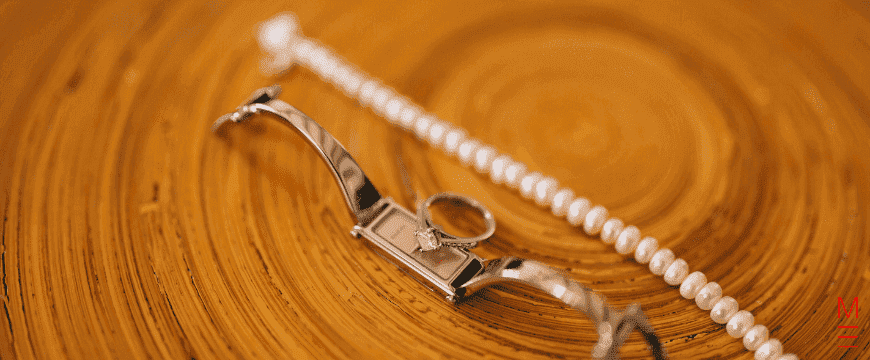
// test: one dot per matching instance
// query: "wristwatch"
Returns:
(451, 271)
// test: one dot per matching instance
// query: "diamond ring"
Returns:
(432, 236)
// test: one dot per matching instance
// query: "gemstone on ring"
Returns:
(427, 239)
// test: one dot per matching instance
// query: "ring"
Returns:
(432, 236)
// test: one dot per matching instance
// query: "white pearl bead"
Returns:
(646, 248)
(307, 49)
(724, 309)
(408, 117)
(333, 66)
(708, 296)
(577, 211)
(740, 324)
(315, 56)
(436, 133)
(627, 240)
(329, 69)
(394, 110)
(514, 173)
(595, 219)
(527, 184)
(342, 72)
(788, 357)
(367, 92)
(769, 350)
(352, 83)
(277, 33)
(677, 272)
(692, 284)
(483, 158)
(304, 51)
(380, 98)
(660, 261)
(323, 63)
(544, 191)
(466, 151)
(347, 80)
(452, 140)
(611, 230)
(318, 52)
(337, 64)
(756, 336)
(561, 201)
(497, 168)
(421, 128)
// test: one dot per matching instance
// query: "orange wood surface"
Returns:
(737, 133)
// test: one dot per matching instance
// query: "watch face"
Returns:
(398, 227)
(444, 261)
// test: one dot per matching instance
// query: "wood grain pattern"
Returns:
(736, 133)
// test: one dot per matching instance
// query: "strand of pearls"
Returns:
(280, 37)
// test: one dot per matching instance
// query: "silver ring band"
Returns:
(432, 236)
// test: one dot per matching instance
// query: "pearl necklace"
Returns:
(281, 39)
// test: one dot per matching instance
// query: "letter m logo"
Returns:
(841, 305)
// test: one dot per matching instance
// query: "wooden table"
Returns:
(734, 132)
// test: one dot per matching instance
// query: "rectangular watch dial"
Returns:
(393, 234)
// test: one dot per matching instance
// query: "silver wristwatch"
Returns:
(413, 243)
